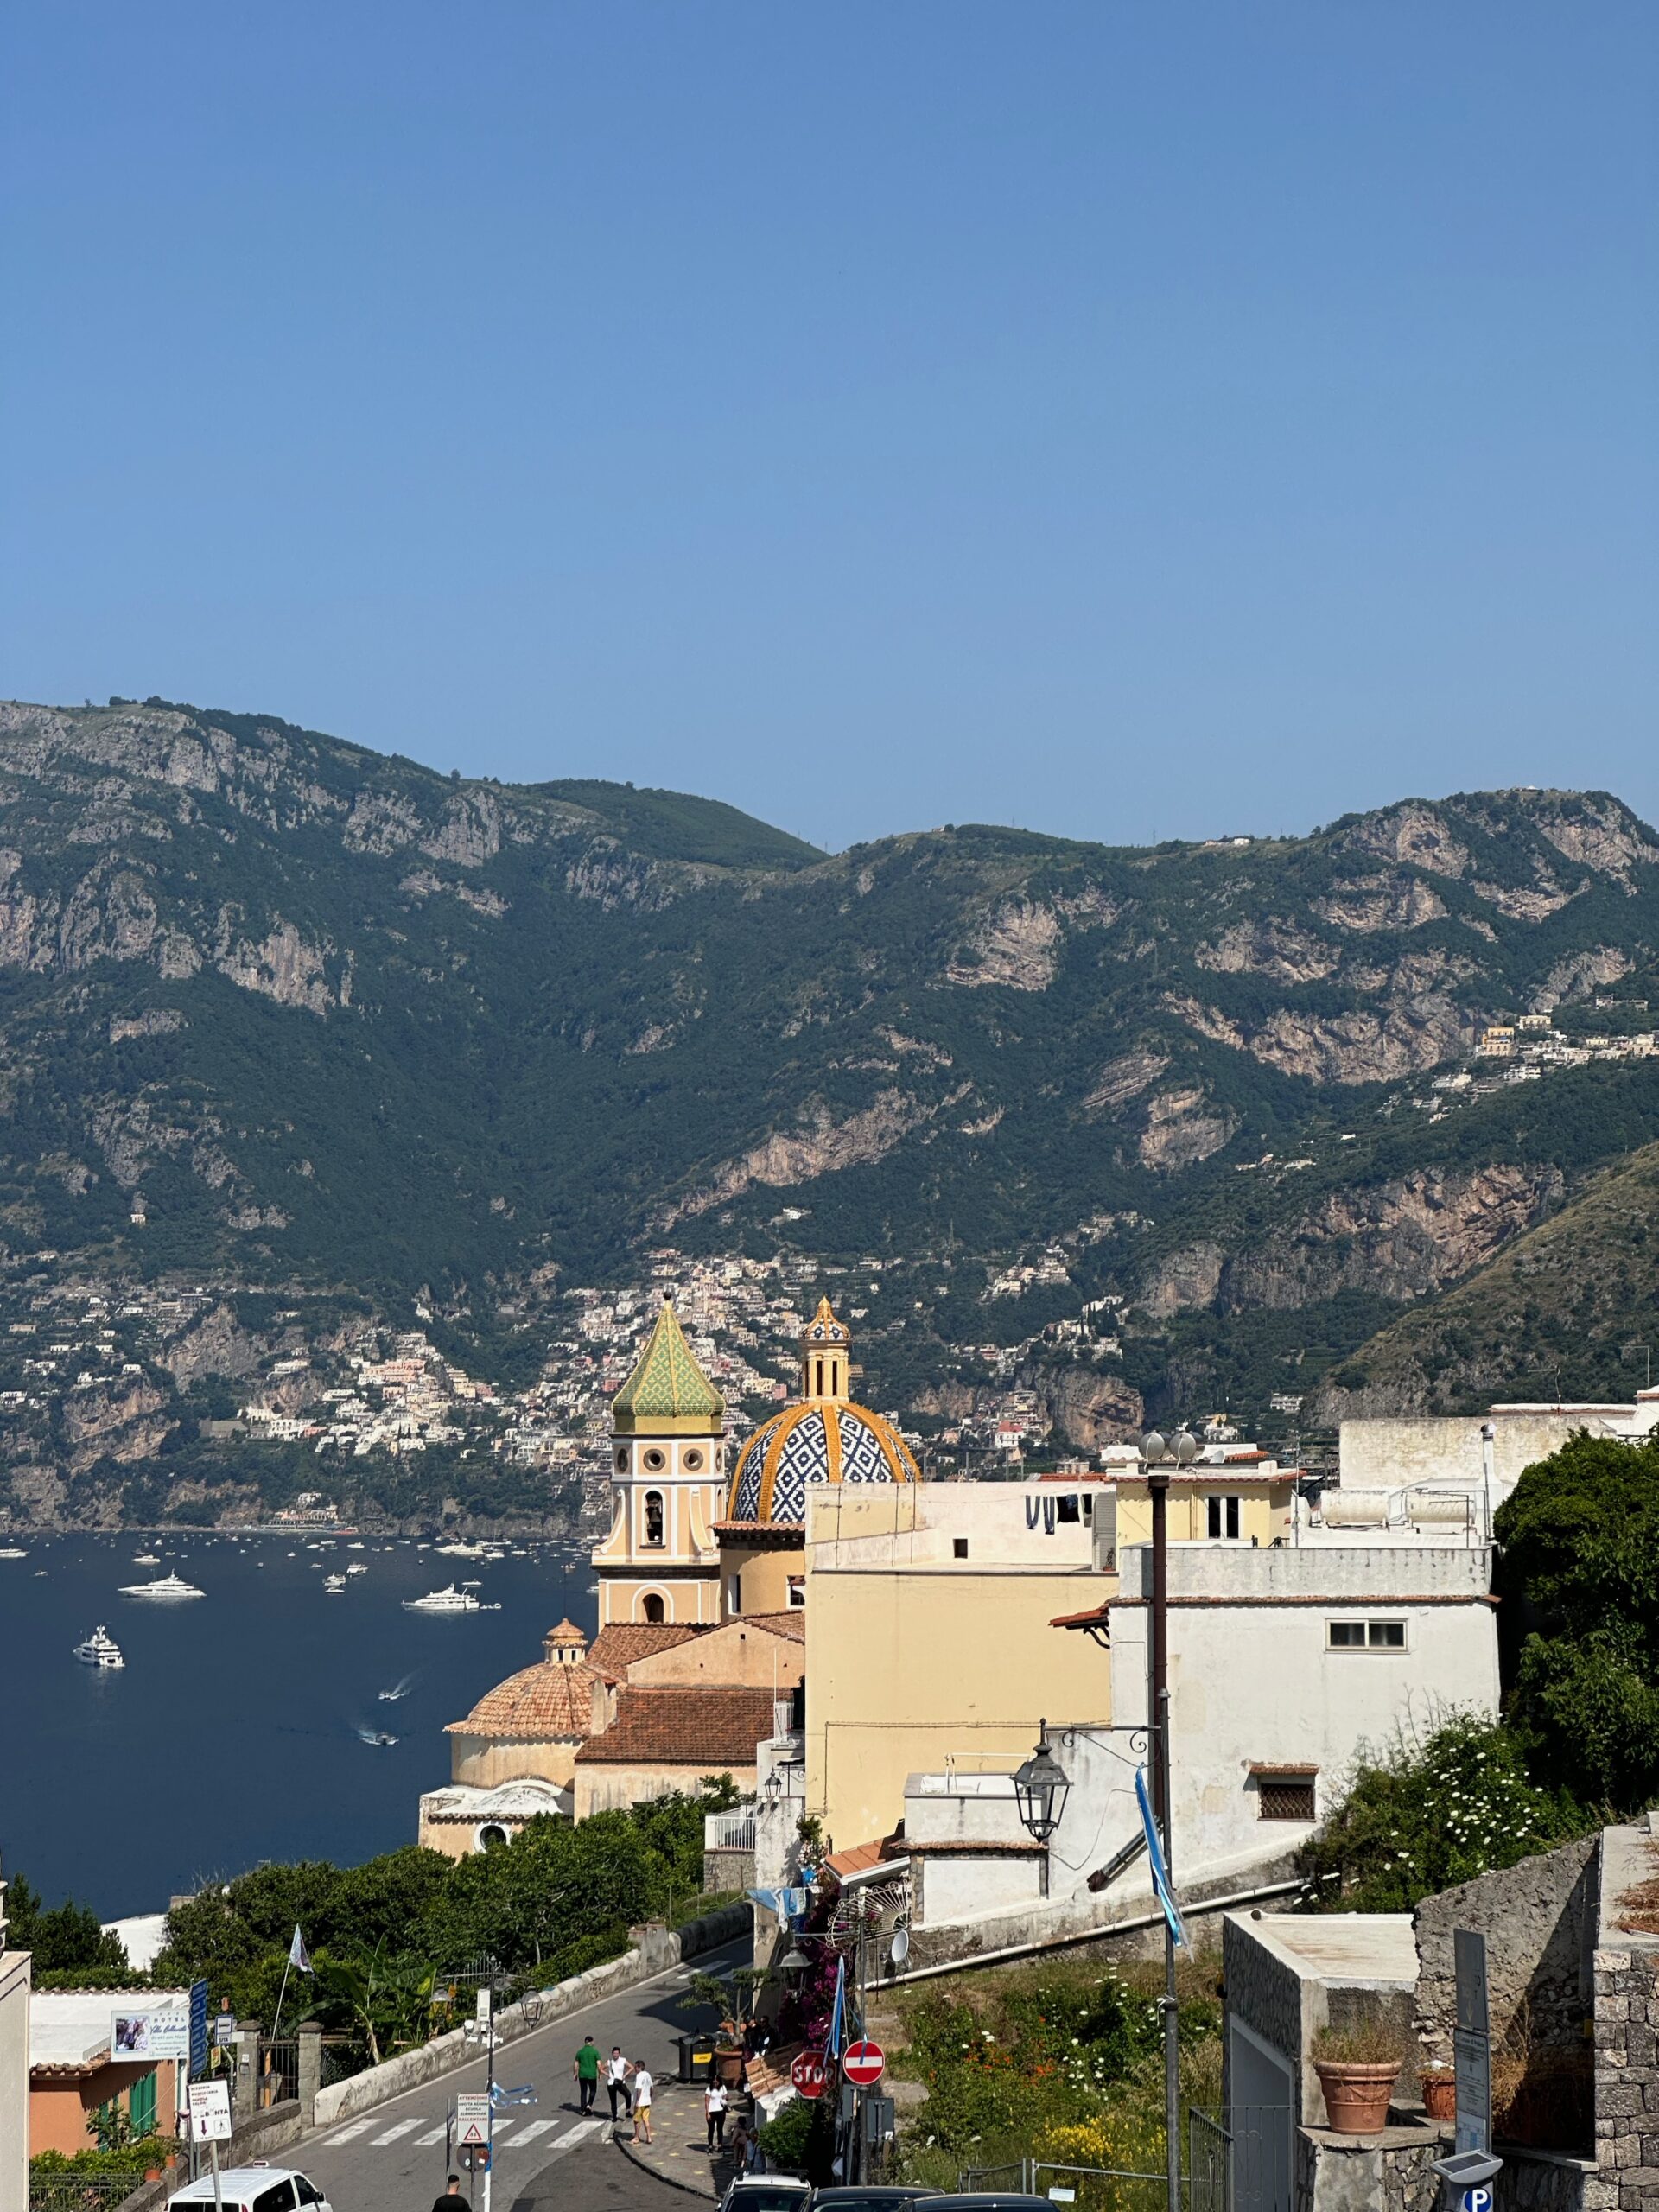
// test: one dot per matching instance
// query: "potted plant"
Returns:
(1439, 2088)
(1358, 2067)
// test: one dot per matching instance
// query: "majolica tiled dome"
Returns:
(824, 1439)
(814, 1444)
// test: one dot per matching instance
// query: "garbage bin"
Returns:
(697, 2057)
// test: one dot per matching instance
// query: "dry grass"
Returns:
(1639, 1907)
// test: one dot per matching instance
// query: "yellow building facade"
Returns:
(928, 1640)
(1236, 1501)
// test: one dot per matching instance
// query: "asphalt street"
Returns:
(391, 2159)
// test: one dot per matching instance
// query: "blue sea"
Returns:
(232, 1733)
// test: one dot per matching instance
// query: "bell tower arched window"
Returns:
(652, 1606)
(653, 1535)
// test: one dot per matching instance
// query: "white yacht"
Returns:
(10, 1551)
(449, 1599)
(356, 1568)
(168, 1586)
(100, 1650)
(333, 1584)
(146, 1559)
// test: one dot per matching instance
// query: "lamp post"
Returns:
(1160, 1453)
(1041, 1787)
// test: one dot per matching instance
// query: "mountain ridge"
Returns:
(279, 1009)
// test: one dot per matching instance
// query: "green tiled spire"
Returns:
(668, 1394)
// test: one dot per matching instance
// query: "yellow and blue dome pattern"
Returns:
(820, 1441)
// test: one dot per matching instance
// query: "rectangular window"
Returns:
(796, 1590)
(1222, 1517)
(959, 1547)
(734, 1594)
(1286, 1798)
(1365, 1636)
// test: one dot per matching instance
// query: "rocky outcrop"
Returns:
(1401, 1239)
(1123, 1078)
(1580, 974)
(1273, 947)
(1420, 1031)
(1372, 903)
(1182, 1129)
(1018, 947)
(284, 966)
(1091, 1407)
(106, 1420)
(822, 1147)
(1412, 836)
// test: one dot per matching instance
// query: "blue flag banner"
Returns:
(1155, 1860)
(838, 2011)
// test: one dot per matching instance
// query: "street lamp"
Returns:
(1041, 1787)
(794, 1963)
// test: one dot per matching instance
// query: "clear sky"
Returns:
(1134, 419)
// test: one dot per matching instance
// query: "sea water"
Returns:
(236, 1730)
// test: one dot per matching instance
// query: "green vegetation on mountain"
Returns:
(281, 1014)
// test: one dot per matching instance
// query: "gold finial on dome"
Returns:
(825, 1348)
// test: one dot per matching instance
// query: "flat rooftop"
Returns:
(1367, 1947)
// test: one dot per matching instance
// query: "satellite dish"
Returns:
(898, 1949)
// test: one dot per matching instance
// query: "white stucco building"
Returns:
(1479, 1452)
(1284, 1664)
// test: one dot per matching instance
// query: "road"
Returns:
(391, 2159)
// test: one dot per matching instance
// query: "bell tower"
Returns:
(660, 1562)
(826, 1349)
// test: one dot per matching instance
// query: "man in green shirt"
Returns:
(585, 2072)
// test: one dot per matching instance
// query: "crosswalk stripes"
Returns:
(508, 2134)
(391, 2134)
(537, 2127)
(433, 2135)
(346, 2135)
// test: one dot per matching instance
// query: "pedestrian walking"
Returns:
(714, 2111)
(617, 2071)
(451, 2197)
(585, 2072)
(742, 2147)
(642, 2089)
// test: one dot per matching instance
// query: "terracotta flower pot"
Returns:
(1439, 2095)
(1356, 2097)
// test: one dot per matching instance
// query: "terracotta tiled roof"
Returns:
(616, 1648)
(791, 1626)
(858, 1856)
(683, 1727)
(552, 1698)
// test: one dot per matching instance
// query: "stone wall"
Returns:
(1265, 1993)
(1348, 2173)
(1627, 2080)
(1539, 1920)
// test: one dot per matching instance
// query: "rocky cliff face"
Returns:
(275, 1010)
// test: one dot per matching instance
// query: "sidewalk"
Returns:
(679, 2154)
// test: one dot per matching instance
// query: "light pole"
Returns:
(1160, 1453)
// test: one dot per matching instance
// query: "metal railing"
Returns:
(728, 1831)
(82, 2192)
(1239, 2157)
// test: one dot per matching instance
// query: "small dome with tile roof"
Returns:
(554, 1698)
(823, 1438)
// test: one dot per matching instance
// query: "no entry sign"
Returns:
(807, 2073)
(863, 2063)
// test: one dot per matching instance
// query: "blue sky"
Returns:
(1130, 420)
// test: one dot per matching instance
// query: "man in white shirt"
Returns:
(642, 2089)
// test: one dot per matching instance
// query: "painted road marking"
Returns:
(537, 2127)
(434, 2135)
(357, 2127)
(392, 2134)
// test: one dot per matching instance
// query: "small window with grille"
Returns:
(1285, 1797)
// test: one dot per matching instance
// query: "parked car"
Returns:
(871, 2197)
(256, 2189)
(989, 2199)
(772, 2193)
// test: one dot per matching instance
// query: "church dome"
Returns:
(824, 1438)
(552, 1700)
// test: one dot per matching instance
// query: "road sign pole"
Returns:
(219, 2195)
(489, 2077)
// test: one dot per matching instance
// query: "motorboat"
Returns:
(357, 1567)
(100, 1650)
(146, 1559)
(333, 1584)
(449, 1599)
(381, 1739)
(10, 1551)
(168, 1586)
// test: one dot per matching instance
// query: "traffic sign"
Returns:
(863, 2063)
(210, 2112)
(807, 2073)
(1476, 2200)
(472, 2121)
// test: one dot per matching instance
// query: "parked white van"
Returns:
(256, 2189)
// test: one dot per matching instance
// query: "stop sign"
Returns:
(807, 2073)
(863, 2063)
